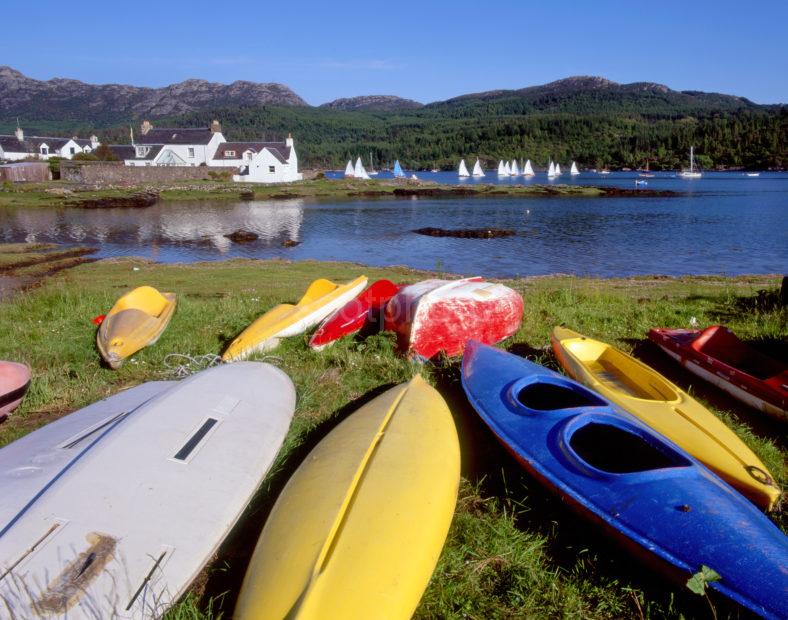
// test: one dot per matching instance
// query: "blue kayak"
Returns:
(643, 488)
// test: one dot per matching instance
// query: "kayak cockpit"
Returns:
(543, 393)
(602, 445)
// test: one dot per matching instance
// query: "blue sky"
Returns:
(421, 50)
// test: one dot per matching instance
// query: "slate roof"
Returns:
(280, 150)
(31, 144)
(176, 135)
(128, 151)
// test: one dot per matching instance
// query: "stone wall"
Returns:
(116, 173)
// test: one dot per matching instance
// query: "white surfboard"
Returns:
(122, 530)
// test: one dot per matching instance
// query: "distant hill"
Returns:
(373, 103)
(592, 120)
(65, 100)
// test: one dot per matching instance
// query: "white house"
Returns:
(17, 146)
(260, 162)
(175, 146)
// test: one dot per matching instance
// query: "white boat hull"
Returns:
(125, 526)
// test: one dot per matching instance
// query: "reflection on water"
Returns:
(727, 224)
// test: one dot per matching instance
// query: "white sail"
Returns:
(359, 171)
(551, 169)
(349, 172)
(501, 169)
(691, 173)
(528, 169)
(515, 168)
(463, 171)
(573, 170)
(557, 169)
(477, 169)
(507, 170)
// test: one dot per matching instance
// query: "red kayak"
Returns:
(14, 381)
(718, 356)
(443, 315)
(366, 309)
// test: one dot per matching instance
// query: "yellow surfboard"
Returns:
(645, 393)
(321, 299)
(359, 528)
(136, 320)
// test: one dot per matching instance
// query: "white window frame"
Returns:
(190, 151)
(271, 169)
(229, 154)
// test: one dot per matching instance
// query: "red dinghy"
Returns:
(718, 356)
(350, 318)
(14, 381)
(442, 315)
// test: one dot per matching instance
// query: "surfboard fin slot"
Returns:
(195, 440)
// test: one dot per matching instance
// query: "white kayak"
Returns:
(122, 528)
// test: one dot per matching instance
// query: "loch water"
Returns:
(723, 223)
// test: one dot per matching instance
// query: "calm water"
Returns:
(727, 223)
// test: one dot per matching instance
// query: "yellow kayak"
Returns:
(136, 320)
(645, 393)
(359, 528)
(321, 299)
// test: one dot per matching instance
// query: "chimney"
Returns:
(20, 135)
(216, 126)
(289, 141)
(94, 142)
(145, 127)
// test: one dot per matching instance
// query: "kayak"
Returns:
(653, 399)
(136, 320)
(358, 529)
(364, 310)
(321, 299)
(718, 356)
(122, 525)
(436, 316)
(646, 492)
(14, 382)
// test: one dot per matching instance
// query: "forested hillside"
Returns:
(749, 137)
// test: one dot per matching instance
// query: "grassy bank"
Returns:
(61, 193)
(513, 549)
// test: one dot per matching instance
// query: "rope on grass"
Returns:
(180, 365)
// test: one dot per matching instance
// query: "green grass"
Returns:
(513, 550)
(52, 194)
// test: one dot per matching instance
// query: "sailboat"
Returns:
(645, 172)
(398, 170)
(501, 169)
(507, 169)
(477, 169)
(371, 172)
(528, 169)
(359, 171)
(463, 171)
(573, 170)
(551, 170)
(691, 173)
(557, 169)
(349, 172)
(515, 170)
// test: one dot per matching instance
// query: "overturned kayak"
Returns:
(321, 299)
(366, 309)
(358, 529)
(666, 408)
(716, 355)
(442, 315)
(118, 518)
(649, 494)
(136, 320)
(14, 382)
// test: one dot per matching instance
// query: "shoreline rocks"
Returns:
(466, 233)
